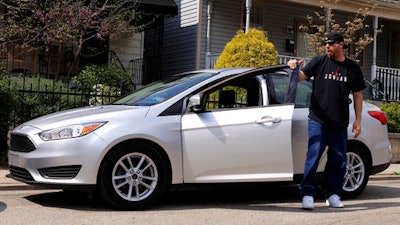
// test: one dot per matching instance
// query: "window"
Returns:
(239, 93)
(277, 89)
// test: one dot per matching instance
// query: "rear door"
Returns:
(237, 139)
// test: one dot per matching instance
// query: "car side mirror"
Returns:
(195, 103)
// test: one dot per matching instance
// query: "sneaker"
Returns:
(334, 201)
(308, 202)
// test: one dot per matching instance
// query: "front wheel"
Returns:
(132, 177)
(357, 175)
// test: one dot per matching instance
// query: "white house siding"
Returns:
(180, 39)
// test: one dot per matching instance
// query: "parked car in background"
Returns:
(207, 126)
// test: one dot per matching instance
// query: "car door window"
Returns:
(277, 89)
(238, 93)
(303, 94)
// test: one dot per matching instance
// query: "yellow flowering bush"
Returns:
(251, 49)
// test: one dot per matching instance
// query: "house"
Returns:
(191, 34)
(197, 35)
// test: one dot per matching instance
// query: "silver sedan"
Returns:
(208, 126)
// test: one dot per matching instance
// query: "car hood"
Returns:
(86, 115)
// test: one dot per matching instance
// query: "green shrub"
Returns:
(40, 97)
(44, 96)
(110, 78)
(6, 102)
(5, 114)
(392, 110)
(250, 49)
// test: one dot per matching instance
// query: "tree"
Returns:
(251, 49)
(67, 24)
(357, 34)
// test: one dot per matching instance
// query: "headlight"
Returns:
(71, 131)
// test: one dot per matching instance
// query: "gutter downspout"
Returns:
(208, 53)
(373, 67)
(198, 34)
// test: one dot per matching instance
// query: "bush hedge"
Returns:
(6, 102)
(110, 75)
(392, 111)
(251, 49)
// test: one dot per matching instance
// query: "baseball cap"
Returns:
(335, 37)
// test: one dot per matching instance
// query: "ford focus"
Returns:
(200, 127)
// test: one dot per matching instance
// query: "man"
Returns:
(333, 76)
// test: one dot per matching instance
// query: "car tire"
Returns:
(357, 172)
(132, 177)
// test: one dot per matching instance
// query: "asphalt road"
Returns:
(379, 204)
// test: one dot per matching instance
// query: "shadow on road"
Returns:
(243, 197)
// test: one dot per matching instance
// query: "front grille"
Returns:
(60, 172)
(20, 173)
(21, 143)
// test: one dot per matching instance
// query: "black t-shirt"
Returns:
(332, 83)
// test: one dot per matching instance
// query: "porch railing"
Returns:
(211, 59)
(386, 86)
(283, 59)
(136, 71)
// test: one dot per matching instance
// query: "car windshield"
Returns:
(163, 90)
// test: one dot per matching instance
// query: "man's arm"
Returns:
(293, 64)
(358, 100)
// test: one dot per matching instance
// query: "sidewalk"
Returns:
(6, 184)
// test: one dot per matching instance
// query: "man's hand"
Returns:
(357, 129)
(293, 63)
(358, 101)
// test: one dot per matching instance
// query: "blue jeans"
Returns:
(319, 137)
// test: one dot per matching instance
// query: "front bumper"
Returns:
(68, 162)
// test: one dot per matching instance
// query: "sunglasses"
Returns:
(331, 43)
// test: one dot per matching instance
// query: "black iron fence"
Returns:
(34, 97)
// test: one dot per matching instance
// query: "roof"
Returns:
(165, 7)
(389, 9)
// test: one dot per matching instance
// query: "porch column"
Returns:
(373, 67)
(248, 7)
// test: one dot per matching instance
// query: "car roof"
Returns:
(222, 72)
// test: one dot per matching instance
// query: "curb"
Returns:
(25, 187)
(384, 177)
(18, 187)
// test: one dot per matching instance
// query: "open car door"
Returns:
(237, 143)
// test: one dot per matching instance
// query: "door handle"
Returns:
(269, 119)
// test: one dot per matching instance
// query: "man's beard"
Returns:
(331, 54)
